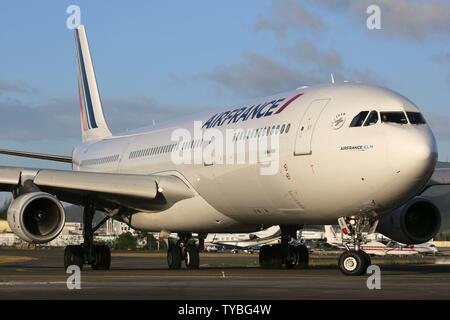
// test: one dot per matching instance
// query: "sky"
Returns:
(156, 60)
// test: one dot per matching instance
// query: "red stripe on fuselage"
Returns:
(288, 103)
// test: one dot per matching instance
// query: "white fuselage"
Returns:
(325, 169)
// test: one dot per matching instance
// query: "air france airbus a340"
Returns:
(349, 153)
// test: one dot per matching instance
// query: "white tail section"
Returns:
(93, 124)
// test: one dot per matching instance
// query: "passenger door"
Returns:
(308, 123)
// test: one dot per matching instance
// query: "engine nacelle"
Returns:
(415, 222)
(36, 217)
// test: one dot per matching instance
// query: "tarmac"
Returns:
(39, 274)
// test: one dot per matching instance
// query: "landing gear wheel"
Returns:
(292, 258)
(302, 256)
(264, 256)
(174, 257)
(353, 263)
(102, 258)
(73, 255)
(367, 257)
(192, 257)
(271, 257)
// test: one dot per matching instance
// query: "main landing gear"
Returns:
(284, 254)
(183, 249)
(355, 261)
(98, 256)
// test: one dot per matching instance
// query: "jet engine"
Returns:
(417, 221)
(36, 217)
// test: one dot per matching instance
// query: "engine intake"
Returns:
(36, 217)
(416, 222)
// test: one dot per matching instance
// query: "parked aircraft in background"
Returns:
(244, 240)
(353, 153)
(378, 248)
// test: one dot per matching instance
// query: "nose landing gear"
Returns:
(354, 261)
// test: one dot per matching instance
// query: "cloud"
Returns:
(411, 19)
(59, 119)
(309, 52)
(7, 86)
(258, 75)
(284, 15)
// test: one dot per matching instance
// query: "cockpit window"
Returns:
(416, 118)
(393, 117)
(359, 119)
(372, 119)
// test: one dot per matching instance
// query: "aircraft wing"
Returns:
(33, 155)
(110, 191)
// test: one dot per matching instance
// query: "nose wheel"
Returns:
(354, 263)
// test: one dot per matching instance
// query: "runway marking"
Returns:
(22, 283)
(15, 259)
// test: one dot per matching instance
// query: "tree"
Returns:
(152, 242)
(126, 241)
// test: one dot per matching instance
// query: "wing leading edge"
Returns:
(110, 191)
(33, 155)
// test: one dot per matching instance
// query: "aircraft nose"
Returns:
(413, 153)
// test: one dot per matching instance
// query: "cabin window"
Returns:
(393, 117)
(359, 119)
(372, 119)
(416, 118)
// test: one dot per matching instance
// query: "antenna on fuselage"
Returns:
(332, 79)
